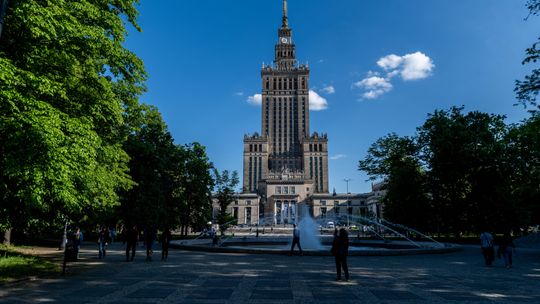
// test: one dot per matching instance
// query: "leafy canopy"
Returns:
(66, 82)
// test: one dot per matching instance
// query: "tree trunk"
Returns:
(7, 237)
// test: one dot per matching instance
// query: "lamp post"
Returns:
(347, 180)
(3, 10)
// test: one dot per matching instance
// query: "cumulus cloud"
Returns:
(413, 66)
(255, 100)
(317, 102)
(374, 86)
(338, 156)
(410, 67)
(390, 62)
(329, 89)
(416, 66)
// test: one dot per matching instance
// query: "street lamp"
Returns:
(347, 180)
(3, 10)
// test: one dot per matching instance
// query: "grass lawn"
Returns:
(14, 264)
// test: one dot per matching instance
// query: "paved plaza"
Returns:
(198, 277)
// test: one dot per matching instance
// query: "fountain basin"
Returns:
(281, 245)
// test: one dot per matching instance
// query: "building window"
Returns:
(235, 213)
(293, 190)
(248, 202)
(248, 215)
(285, 190)
(323, 212)
(278, 189)
(323, 203)
(350, 210)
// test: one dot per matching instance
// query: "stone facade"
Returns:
(285, 165)
(285, 145)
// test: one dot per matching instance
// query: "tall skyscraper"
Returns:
(285, 164)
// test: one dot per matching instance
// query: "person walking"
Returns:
(131, 239)
(103, 239)
(296, 240)
(340, 250)
(77, 240)
(166, 238)
(149, 237)
(507, 249)
(486, 244)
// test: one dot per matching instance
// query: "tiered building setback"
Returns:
(285, 164)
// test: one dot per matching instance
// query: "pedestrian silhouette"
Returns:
(296, 240)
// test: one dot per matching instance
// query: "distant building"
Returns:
(286, 165)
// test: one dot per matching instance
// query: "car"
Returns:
(330, 225)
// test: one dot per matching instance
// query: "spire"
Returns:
(285, 19)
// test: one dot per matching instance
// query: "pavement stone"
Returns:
(207, 278)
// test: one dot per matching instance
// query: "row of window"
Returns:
(255, 148)
(316, 172)
(336, 203)
(285, 83)
(247, 214)
(316, 148)
(285, 190)
(336, 211)
(255, 172)
(287, 53)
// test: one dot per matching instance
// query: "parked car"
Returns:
(330, 225)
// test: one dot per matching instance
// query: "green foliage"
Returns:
(225, 195)
(527, 90)
(463, 153)
(396, 160)
(65, 83)
(173, 183)
(196, 207)
(461, 173)
(523, 142)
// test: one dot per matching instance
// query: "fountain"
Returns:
(309, 240)
(367, 236)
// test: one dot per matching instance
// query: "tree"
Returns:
(523, 151)
(527, 90)
(225, 195)
(464, 155)
(173, 182)
(196, 207)
(396, 160)
(66, 81)
(152, 154)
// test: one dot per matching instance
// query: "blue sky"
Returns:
(204, 58)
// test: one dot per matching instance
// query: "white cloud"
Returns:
(390, 62)
(239, 93)
(255, 100)
(416, 66)
(316, 102)
(329, 89)
(338, 156)
(413, 66)
(375, 86)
